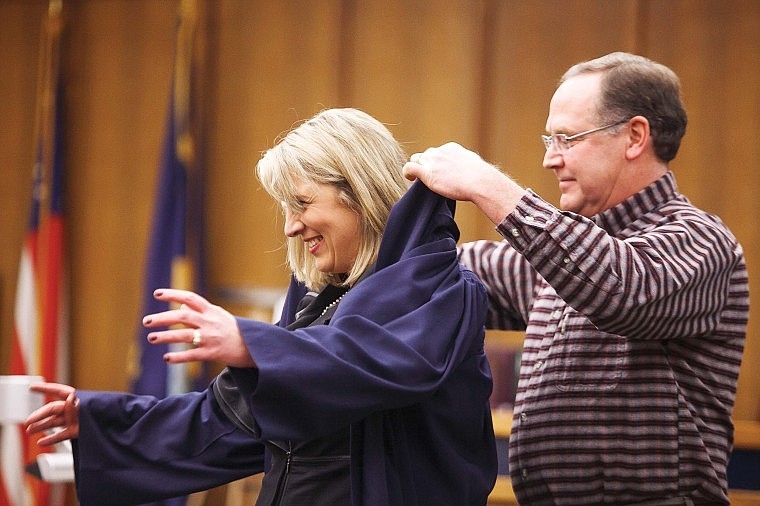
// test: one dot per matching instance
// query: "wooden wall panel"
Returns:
(525, 57)
(275, 63)
(411, 64)
(416, 65)
(19, 46)
(526, 65)
(478, 72)
(118, 71)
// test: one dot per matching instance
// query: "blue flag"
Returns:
(175, 250)
(170, 263)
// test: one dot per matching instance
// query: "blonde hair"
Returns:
(353, 152)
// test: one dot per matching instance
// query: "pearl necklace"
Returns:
(332, 304)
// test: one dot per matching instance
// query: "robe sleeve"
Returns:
(135, 449)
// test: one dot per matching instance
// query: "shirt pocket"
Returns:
(585, 358)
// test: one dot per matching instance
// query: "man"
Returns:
(633, 301)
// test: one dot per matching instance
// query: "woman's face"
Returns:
(330, 231)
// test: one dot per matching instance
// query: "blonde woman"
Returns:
(372, 390)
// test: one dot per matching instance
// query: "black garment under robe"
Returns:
(315, 472)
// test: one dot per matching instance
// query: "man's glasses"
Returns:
(562, 143)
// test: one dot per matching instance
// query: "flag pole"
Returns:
(53, 364)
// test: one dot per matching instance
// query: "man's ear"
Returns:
(639, 136)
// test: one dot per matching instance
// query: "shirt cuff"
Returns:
(529, 219)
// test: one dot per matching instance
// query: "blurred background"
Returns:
(479, 72)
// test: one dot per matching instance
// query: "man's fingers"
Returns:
(410, 170)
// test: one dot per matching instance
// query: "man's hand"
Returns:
(460, 174)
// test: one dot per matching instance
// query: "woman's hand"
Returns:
(61, 413)
(211, 330)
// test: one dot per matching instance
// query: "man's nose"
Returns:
(552, 158)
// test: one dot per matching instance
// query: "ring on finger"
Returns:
(197, 338)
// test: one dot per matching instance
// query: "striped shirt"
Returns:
(634, 323)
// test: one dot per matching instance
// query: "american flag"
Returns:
(40, 337)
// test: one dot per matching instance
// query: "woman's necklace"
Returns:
(332, 304)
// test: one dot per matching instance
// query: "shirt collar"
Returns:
(619, 217)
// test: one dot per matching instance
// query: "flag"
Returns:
(175, 250)
(174, 257)
(40, 334)
(176, 244)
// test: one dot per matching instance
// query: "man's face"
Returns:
(589, 172)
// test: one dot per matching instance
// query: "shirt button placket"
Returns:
(523, 419)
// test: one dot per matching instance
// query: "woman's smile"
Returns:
(313, 244)
(330, 230)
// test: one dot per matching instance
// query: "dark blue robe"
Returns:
(401, 363)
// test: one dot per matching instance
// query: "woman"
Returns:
(373, 388)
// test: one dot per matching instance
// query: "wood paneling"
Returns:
(19, 46)
(478, 72)
(118, 64)
(274, 63)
